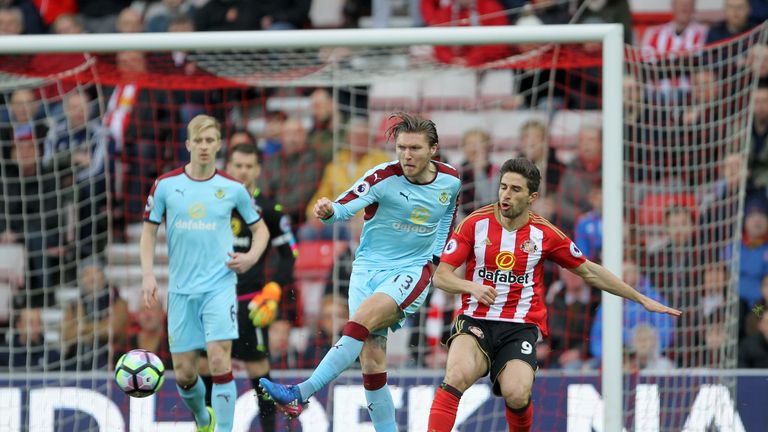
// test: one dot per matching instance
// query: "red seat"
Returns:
(316, 258)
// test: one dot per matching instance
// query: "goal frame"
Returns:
(611, 37)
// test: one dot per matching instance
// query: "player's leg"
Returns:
(256, 371)
(252, 347)
(467, 362)
(369, 311)
(205, 375)
(186, 338)
(219, 317)
(514, 370)
(373, 360)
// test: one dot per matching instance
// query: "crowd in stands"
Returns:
(67, 144)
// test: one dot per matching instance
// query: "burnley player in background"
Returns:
(196, 201)
(409, 207)
(502, 296)
(244, 164)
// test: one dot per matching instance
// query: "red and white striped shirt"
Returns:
(663, 39)
(510, 261)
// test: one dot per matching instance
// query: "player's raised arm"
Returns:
(446, 280)
(147, 258)
(363, 193)
(599, 277)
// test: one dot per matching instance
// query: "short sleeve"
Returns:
(154, 210)
(459, 246)
(563, 251)
(246, 207)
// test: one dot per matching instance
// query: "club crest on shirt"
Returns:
(529, 247)
(362, 188)
(450, 247)
(219, 194)
(477, 332)
(575, 251)
(444, 198)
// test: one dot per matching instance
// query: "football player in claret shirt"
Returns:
(502, 311)
(409, 207)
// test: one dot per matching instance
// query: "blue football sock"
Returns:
(194, 399)
(339, 358)
(381, 408)
(223, 399)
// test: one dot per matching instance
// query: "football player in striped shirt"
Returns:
(502, 311)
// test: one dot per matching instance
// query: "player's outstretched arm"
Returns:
(147, 257)
(599, 277)
(242, 262)
(446, 280)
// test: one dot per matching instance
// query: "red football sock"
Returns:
(442, 415)
(520, 420)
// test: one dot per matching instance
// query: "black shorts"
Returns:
(253, 342)
(500, 342)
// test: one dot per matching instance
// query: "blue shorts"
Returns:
(408, 286)
(196, 319)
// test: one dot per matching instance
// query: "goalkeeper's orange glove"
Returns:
(263, 306)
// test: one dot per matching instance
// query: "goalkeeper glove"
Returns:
(263, 306)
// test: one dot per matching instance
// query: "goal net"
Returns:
(85, 135)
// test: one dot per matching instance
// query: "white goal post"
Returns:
(609, 35)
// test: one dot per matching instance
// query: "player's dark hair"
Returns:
(525, 168)
(407, 123)
(248, 149)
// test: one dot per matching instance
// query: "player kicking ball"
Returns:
(502, 296)
(409, 209)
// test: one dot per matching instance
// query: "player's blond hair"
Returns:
(202, 122)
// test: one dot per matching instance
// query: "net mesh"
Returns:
(319, 116)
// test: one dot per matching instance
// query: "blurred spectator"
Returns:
(719, 203)
(138, 121)
(753, 256)
(160, 14)
(50, 11)
(589, 226)
(644, 351)
(281, 354)
(80, 142)
(579, 176)
(333, 315)
(292, 175)
(382, 11)
(470, 13)
(349, 164)
(283, 14)
(736, 21)
(68, 24)
(535, 148)
(609, 11)
(32, 23)
(321, 133)
(30, 214)
(634, 314)
(753, 352)
(27, 350)
(674, 267)
(100, 16)
(129, 21)
(11, 22)
(571, 304)
(151, 334)
(683, 33)
(757, 181)
(228, 15)
(269, 140)
(24, 108)
(96, 322)
(479, 177)
(752, 317)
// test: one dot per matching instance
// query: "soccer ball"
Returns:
(139, 373)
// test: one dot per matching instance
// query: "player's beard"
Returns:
(513, 211)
